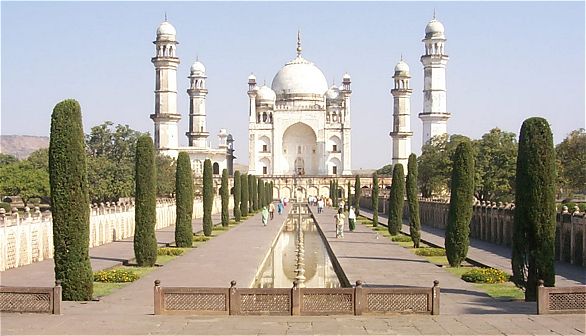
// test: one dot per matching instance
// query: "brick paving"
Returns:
(237, 253)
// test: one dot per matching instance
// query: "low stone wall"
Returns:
(494, 223)
(29, 238)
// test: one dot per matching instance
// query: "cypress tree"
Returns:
(268, 199)
(69, 202)
(184, 201)
(414, 222)
(237, 196)
(208, 197)
(260, 191)
(272, 191)
(396, 200)
(331, 195)
(145, 210)
(461, 200)
(357, 192)
(244, 191)
(225, 192)
(374, 199)
(251, 193)
(534, 222)
(335, 194)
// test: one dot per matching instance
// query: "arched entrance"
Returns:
(299, 150)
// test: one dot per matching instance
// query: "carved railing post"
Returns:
(435, 298)
(541, 298)
(295, 299)
(359, 299)
(158, 298)
(233, 299)
(56, 309)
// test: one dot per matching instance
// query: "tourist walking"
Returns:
(351, 219)
(280, 207)
(339, 218)
(320, 205)
(271, 210)
(265, 215)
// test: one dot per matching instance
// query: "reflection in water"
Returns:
(279, 270)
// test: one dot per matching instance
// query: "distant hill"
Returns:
(22, 146)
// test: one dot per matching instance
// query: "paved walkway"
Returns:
(236, 254)
(492, 255)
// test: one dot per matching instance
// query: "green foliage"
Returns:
(237, 196)
(335, 198)
(166, 168)
(23, 179)
(331, 195)
(413, 201)
(225, 194)
(111, 156)
(115, 275)
(184, 201)
(485, 275)
(200, 238)
(145, 241)
(357, 192)
(571, 159)
(70, 199)
(251, 193)
(461, 200)
(6, 206)
(349, 193)
(171, 251)
(430, 251)
(39, 159)
(396, 200)
(7, 159)
(208, 197)
(534, 226)
(386, 170)
(374, 199)
(496, 154)
(244, 190)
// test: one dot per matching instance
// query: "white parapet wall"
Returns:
(29, 238)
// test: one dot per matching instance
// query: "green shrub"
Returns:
(225, 192)
(145, 211)
(34, 201)
(237, 195)
(396, 200)
(70, 199)
(374, 199)
(115, 275)
(357, 192)
(401, 238)
(170, 251)
(485, 275)
(184, 201)
(430, 251)
(200, 238)
(244, 199)
(413, 201)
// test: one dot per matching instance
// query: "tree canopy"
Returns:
(571, 163)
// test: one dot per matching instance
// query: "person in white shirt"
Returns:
(352, 219)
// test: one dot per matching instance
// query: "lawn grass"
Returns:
(501, 291)
(106, 288)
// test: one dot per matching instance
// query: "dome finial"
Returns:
(434, 13)
(165, 16)
(401, 57)
(298, 43)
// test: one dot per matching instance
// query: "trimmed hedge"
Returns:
(225, 194)
(70, 199)
(396, 200)
(401, 238)
(357, 192)
(244, 199)
(413, 201)
(184, 201)
(485, 275)
(534, 219)
(430, 252)
(116, 275)
(461, 200)
(237, 196)
(208, 197)
(260, 191)
(145, 210)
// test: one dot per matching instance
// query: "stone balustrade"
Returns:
(493, 222)
(28, 238)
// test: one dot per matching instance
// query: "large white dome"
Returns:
(299, 77)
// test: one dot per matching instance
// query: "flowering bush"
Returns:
(485, 275)
(430, 251)
(115, 275)
(169, 251)
(200, 238)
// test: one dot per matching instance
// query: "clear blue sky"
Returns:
(508, 61)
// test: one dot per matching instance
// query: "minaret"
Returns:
(198, 134)
(166, 118)
(401, 133)
(435, 115)
(346, 126)
(252, 93)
